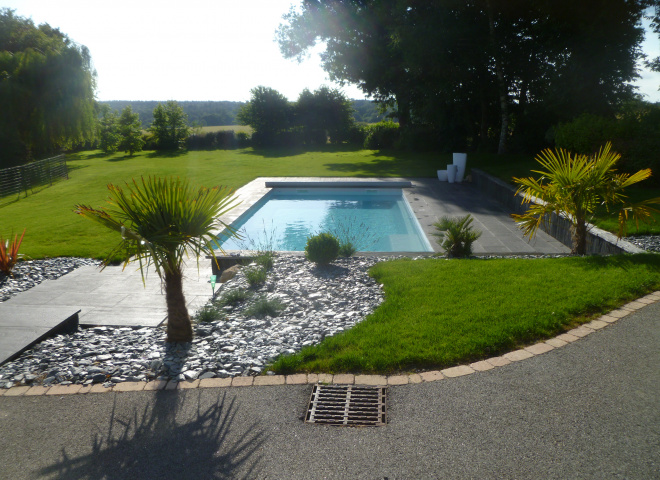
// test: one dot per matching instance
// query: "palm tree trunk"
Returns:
(579, 238)
(179, 327)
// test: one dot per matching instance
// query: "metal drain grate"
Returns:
(347, 405)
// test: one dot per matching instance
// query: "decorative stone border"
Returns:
(347, 378)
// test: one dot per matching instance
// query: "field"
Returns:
(222, 128)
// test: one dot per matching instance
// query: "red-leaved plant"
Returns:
(9, 253)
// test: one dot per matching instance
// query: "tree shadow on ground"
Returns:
(280, 152)
(166, 153)
(158, 443)
(624, 262)
(72, 157)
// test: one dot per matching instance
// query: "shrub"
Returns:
(456, 236)
(322, 248)
(264, 306)
(208, 313)
(255, 275)
(222, 139)
(585, 133)
(357, 135)
(634, 133)
(243, 139)
(347, 249)
(381, 135)
(232, 297)
(9, 253)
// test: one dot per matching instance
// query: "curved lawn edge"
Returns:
(439, 313)
(315, 378)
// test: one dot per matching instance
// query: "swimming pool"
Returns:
(374, 219)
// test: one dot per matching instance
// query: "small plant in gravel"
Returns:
(9, 253)
(353, 235)
(265, 259)
(264, 306)
(232, 297)
(208, 313)
(255, 276)
(347, 250)
(456, 235)
(322, 249)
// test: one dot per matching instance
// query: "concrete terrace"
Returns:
(117, 297)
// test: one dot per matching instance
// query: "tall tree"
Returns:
(469, 68)
(324, 113)
(362, 45)
(268, 113)
(130, 130)
(170, 126)
(108, 130)
(46, 90)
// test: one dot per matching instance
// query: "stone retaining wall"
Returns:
(599, 241)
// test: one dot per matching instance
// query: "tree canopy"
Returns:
(46, 90)
(479, 73)
(170, 126)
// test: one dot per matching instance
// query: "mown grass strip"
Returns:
(438, 313)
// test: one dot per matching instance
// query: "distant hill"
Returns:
(213, 114)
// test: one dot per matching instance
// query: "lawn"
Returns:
(53, 230)
(438, 313)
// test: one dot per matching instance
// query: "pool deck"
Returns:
(430, 200)
(117, 297)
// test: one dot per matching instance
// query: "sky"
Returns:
(199, 49)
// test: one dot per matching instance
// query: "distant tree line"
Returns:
(213, 114)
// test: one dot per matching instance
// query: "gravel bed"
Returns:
(315, 303)
(650, 243)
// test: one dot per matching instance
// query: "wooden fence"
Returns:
(23, 179)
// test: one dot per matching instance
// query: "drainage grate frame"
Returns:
(348, 405)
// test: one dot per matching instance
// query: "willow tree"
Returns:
(161, 222)
(46, 90)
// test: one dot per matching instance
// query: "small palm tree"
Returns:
(577, 185)
(161, 221)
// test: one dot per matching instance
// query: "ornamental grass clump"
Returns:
(255, 276)
(9, 253)
(322, 249)
(456, 235)
(208, 313)
(232, 297)
(264, 307)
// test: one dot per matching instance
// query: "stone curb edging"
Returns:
(344, 378)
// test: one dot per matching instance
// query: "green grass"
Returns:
(439, 313)
(54, 230)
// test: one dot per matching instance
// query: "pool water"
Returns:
(374, 220)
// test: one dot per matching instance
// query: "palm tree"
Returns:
(577, 185)
(161, 221)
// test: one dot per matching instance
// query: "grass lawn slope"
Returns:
(439, 313)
